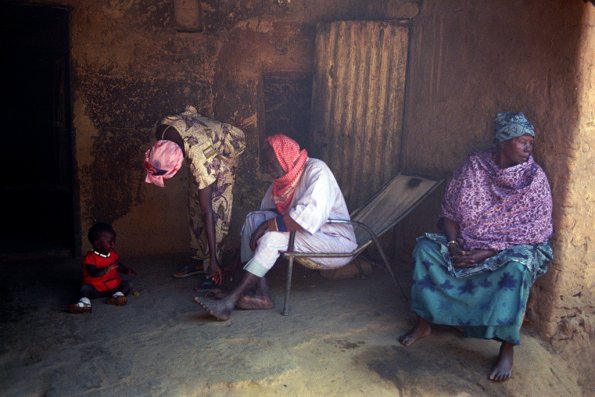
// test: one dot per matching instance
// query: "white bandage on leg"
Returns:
(253, 220)
(267, 252)
(271, 243)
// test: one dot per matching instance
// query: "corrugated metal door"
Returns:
(357, 102)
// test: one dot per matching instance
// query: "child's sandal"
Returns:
(117, 300)
(75, 308)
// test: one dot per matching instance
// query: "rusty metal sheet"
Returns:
(357, 102)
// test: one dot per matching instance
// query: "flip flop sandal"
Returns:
(187, 271)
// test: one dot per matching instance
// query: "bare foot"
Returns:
(419, 331)
(255, 302)
(218, 309)
(502, 370)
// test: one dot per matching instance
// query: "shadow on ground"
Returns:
(340, 339)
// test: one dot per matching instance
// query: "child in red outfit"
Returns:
(101, 271)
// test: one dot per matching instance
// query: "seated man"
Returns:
(302, 197)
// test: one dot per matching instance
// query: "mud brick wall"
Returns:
(132, 64)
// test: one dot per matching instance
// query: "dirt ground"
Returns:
(340, 339)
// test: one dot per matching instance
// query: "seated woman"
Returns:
(496, 221)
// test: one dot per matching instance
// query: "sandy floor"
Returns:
(340, 339)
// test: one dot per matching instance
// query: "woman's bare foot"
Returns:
(218, 309)
(419, 331)
(255, 302)
(502, 370)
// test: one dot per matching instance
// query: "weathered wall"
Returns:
(276, 38)
(468, 60)
(131, 67)
(572, 316)
(471, 59)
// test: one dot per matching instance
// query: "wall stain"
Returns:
(126, 101)
(116, 173)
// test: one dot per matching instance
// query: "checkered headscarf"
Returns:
(293, 161)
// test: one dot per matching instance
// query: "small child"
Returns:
(101, 269)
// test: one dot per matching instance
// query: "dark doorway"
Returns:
(287, 97)
(36, 183)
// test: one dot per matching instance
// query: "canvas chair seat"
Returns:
(309, 263)
(393, 202)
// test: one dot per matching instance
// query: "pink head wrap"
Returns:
(162, 161)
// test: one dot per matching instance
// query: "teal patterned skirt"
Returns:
(488, 300)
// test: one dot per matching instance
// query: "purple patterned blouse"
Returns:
(499, 208)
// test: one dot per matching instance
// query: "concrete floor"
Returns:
(340, 339)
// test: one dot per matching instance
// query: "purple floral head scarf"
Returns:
(499, 208)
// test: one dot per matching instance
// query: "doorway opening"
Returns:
(37, 182)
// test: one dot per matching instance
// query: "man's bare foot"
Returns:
(255, 302)
(218, 309)
(419, 331)
(502, 370)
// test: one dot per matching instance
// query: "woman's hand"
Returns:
(471, 258)
(244, 122)
(454, 249)
(215, 271)
(258, 234)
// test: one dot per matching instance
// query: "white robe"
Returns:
(317, 198)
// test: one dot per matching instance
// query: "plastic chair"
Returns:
(393, 202)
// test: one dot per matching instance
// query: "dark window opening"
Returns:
(287, 99)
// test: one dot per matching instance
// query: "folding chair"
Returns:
(381, 212)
